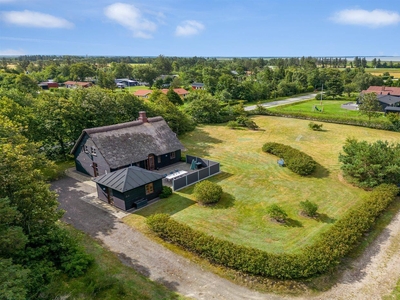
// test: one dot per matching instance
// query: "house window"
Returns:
(93, 150)
(149, 188)
(172, 155)
(86, 149)
(159, 159)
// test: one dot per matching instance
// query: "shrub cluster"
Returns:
(242, 121)
(322, 256)
(315, 126)
(309, 208)
(295, 160)
(277, 213)
(207, 192)
(166, 192)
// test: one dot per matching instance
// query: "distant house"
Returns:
(126, 82)
(143, 93)
(197, 86)
(147, 143)
(48, 85)
(75, 84)
(383, 90)
(181, 92)
(131, 187)
(388, 101)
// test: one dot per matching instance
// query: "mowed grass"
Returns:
(252, 180)
(328, 108)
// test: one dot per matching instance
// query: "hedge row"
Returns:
(325, 254)
(295, 160)
(324, 118)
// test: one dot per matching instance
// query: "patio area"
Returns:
(180, 175)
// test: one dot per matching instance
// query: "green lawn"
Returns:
(329, 108)
(252, 180)
(133, 89)
(107, 278)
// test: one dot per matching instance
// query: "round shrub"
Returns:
(277, 213)
(166, 192)
(207, 192)
(309, 208)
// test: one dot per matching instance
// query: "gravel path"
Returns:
(372, 275)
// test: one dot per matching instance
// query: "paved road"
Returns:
(282, 102)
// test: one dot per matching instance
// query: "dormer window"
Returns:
(93, 150)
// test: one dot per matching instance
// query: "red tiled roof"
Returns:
(141, 93)
(383, 90)
(179, 91)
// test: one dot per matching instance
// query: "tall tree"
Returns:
(369, 106)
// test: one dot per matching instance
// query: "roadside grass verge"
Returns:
(252, 180)
(329, 110)
(107, 278)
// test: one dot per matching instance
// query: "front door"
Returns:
(109, 196)
(150, 160)
(95, 169)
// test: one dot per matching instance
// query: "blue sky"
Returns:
(200, 28)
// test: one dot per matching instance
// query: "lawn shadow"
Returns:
(320, 172)
(170, 206)
(292, 223)
(199, 142)
(324, 218)
(227, 200)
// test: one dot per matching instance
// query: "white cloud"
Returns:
(374, 18)
(131, 17)
(189, 27)
(11, 52)
(29, 18)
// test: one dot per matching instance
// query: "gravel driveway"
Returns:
(373, 275)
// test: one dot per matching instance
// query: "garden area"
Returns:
(252, 181)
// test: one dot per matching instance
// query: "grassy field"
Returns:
(331, 108)
(133, 89)
(107, 278)
(252, 180)
(395, 72)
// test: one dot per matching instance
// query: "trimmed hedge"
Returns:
(295, 160)
(323, 118)
(319, 258)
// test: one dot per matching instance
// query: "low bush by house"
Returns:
(207, 192)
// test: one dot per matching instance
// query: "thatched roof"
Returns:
(131, 142)
(127, 179)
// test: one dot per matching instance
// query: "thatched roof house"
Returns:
(148, 143)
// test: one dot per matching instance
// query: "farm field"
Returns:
(395, 72)
(252, 180)
(331, 108)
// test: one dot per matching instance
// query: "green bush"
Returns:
(233, 125)
(166, 192)
(277, 213)
(309, 208)
(207, 192)
(295, 160)
(315, 126)
(322, 256)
